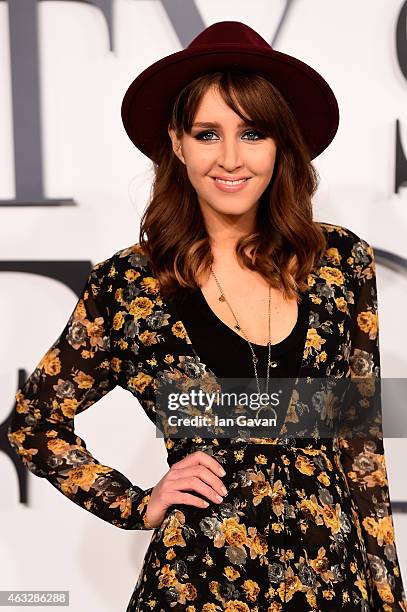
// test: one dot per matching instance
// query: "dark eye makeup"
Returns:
(200, 135)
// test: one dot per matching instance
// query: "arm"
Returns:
(362, 452)
(75, 372)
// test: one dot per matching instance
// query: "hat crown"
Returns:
(229, 33)
(227, 45)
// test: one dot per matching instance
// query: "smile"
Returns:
(230, 182)
(230, 186)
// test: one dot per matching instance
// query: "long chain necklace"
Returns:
(238, 327)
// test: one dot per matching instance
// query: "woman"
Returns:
(231, 278)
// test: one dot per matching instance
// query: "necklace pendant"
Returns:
(273, 364)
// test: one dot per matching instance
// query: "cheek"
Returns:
(197, 164)
(266, 168)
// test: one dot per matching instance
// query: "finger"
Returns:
(202, 472)
(178, 497)
(201, 458)
(194, 483)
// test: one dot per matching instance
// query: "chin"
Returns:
(232, 210)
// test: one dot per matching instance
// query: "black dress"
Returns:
(306, 523)
(227, 353)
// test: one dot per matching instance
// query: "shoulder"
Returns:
(339, 233)
(341, 236)
(353, 251)
(125, 268)
(130, 257)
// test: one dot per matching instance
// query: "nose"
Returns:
(230, 155)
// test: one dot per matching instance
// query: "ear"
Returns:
(176, 144)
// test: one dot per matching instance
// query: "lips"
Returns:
(230, 181)
(228, 186)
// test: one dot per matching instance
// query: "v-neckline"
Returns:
(170, 307)
(276, 348)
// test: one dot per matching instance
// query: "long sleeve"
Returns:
(362, 451)
(75, 372)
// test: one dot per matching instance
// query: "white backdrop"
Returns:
(54, 544)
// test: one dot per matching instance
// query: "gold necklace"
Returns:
(238, 327)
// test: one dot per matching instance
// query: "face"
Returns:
(229, 150)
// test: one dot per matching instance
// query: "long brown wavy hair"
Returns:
(287, 241)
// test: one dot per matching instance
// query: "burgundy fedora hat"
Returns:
(224, 45)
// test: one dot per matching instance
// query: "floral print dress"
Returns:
(306, 524)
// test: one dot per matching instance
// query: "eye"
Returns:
(260, 134)
(201, 135)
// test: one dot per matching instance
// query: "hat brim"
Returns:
(148, 100)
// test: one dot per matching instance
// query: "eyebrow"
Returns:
(210, 124)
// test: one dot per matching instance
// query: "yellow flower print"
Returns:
(84, 381)
(275, 606)
(187, 592)
(116, 364)
(292, 584)
(251, 589)
(304, 465)
(51, 363)
(321, 565)
(234, 533)
(69, 407)
(361, 584)
(386, 594)
(235, 605)
(239, 455)
(173, 530)
(122, 344)
(332, 254)
(315, 299)
(333, 276)
(341, 304)
(278, 493)
(150, 284)
(131, 274)
(140, 381)
(311, 598)
(179, 330)
(310, 507)
(385, 531)
(331, 517)
(118, 319)
(321, 358)
(148, 338)
(257, 544)
(260, 487)
(231, 573)
(141, 307)
(81, 477)
(58, 446)
(371, 526)
(324, 479)
(368, 323)
(313, 341)
(261, 459)
(167, 577)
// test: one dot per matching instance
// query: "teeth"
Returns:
(230, 182)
